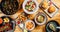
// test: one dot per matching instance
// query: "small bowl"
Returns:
(55, 24)
(12, 21)
(45, 18)
(32, 27)
(35, 10)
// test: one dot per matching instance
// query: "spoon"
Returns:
(58, 27)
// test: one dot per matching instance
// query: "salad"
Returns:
(30, 5)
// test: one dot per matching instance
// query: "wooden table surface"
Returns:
(42, 28)
(37, 28)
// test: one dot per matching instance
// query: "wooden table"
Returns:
(42, 28)
(37, 28)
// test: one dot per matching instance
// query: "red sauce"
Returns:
(1, 20)
(18, 22)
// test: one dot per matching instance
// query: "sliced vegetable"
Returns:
(52, 27)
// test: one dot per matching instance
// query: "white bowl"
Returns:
(44, 19)
(35, 10)
(32, 27)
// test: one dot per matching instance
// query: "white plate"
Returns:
(51, 14)
(32, 27)
(45, 18)
(35, 10)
